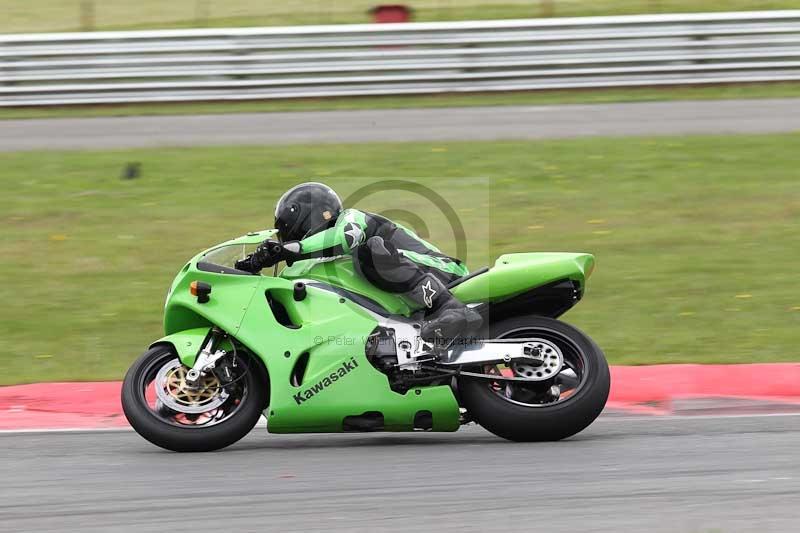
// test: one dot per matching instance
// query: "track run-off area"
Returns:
(624, 473)
(398, 125)
(674, 474)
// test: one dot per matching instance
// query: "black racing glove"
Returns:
(269, 253)
(246, 265)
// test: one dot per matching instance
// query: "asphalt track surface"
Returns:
(622, 474)
(390, 125)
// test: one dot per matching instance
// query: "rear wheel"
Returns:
(570, 390)
(164, 410)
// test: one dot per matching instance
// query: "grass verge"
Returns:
(596, 96)
(697, 239)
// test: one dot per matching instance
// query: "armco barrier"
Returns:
(392, 59)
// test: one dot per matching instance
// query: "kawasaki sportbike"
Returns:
(316, 348)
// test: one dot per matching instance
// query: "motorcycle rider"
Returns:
(312, 224)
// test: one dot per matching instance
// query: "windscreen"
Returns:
(226, 256)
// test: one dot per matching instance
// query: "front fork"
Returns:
(208, 356)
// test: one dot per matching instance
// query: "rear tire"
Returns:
(147, 422)
(518, 422)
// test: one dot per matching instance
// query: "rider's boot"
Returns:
(446, 317)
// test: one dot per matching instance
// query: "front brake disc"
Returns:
(174, 393)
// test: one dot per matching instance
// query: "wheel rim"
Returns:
(569, 379)
(168, 398)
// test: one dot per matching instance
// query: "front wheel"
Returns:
(564, 397)
(164, 410)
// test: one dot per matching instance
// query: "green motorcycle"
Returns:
(316, 348)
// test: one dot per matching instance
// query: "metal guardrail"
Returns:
(386, 59)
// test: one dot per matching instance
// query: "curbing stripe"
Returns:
(640, 390)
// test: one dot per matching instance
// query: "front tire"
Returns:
(231, 416)
(499, 409)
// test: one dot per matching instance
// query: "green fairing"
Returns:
(338, 381)
(513, 274)
(186, 343)
(341, 273)
(333, 332)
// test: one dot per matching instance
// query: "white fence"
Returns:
(385, 59)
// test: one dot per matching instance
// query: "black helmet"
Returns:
(306, 209)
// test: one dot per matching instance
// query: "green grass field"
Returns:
(594, 96)
(75, 15)
(697, 239)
